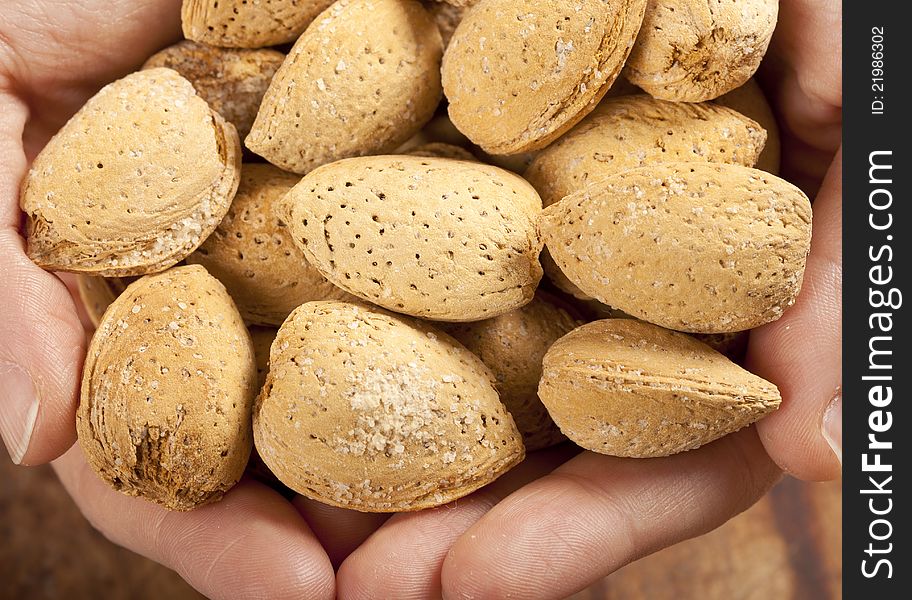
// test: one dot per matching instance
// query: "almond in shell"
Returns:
(519, 73)
(134, 182)
(363, 79)
(167, 391)
(442, 239)
(248, 23)
(627, 388)
(698, 247)
(376, 412)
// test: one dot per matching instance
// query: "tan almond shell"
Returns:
(634, 131)
(519, 73)
(248, 23)
(167, 391)
(627, 388)
(232, 81)
(697, 50)
(436, 238)
(363, 79)
(447, 17)
(442, 150)
(253, 254)
(134, 182)
(750, 101)
(97, 293)
(377, 412)
(697, 247)
(512, 345)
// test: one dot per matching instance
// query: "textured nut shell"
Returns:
(363, 79)
(447, 17)
(167, 391)
(252, 252)
(448, 240)
(248, 23)
(700, 247)
(750, 101)
(519, 73)
(97, 294)
(134, 182)
(628, 388)
(233, 82)
(377, 412)
(635, 131)
(557, 277)
(512, 345)
(696, 50)
(441, 150)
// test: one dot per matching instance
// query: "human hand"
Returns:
(593, 514)
(54, 55)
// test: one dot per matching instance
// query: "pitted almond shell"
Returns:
(697, 50)
(248, 23)
(363, 79)
(627, 388)
(134, 182)
(167, 391)
(698, 247)
(442, 239)
(519, 73)
(377, 412)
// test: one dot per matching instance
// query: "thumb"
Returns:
(802, 353)
(42, 343)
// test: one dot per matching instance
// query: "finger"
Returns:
(42, 342)
(403, 558)
(597, 513)
(802, 74)
(251, 544)
(340, 531)
(802, 353)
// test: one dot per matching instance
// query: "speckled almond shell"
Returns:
(696, 50)
(628, 388)
(436, 238)
(167, 391)
(232, 81)
(441, 150)
(134, 182)
(363, 79)
(634, 131)
(699, 247)
(248, 23)
(519, 73)
(252, 252)
(97, 294)
(379, 413)
(750, 101)
(512, 345)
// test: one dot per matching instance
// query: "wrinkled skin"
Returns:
(560, 521)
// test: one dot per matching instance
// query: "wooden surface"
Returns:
(785, 547)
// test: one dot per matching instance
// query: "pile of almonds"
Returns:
(366, 307)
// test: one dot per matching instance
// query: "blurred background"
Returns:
(788, 546)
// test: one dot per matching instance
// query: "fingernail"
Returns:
(18, 409)
(832, 424)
